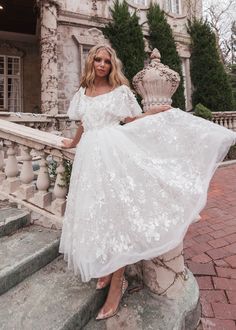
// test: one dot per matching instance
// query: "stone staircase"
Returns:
(37, 291)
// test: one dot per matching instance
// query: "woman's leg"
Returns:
(117, 287)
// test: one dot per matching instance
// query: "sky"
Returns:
(219, 5)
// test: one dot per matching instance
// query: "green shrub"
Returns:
(202, 111)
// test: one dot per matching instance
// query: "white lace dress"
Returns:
(135, 188)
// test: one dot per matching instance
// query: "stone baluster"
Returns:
(234, 123)
(221, 121)
(42, 197)
(27, 188)
(12, 182)
(230, 122)
(2, 174)
(226, 122)
(60, 190)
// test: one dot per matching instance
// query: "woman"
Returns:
(134, 188)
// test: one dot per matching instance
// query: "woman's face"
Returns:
(102, 63)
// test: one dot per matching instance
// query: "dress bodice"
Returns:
(103, 110)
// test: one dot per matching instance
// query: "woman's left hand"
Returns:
(158, 108)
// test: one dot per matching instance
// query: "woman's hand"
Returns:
(67, 143)
(158, 108)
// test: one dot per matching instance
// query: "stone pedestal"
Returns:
(42, 199)
(166, 274)
(10, 185)
(58, 206)
(26, 191)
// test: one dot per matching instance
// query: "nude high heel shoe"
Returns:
(103, 316)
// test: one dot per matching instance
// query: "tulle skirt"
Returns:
(136, 188)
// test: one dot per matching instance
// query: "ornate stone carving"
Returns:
(156, 83)
(8, 49)
(91, 36)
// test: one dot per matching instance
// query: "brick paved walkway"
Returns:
(210, 252)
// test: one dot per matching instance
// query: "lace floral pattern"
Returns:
(135, 188)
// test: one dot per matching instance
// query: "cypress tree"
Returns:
(161, 37)
(126, 37)
(232, 77)
(210, 81)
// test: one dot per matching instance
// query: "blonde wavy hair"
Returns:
(116, 77)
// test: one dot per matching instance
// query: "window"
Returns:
(140, 2)
(85, 50)
(173, 6)
(10, 83)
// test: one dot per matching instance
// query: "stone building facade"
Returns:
(41, 60)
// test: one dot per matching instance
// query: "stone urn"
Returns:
(156, 83)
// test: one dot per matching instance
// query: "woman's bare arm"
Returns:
(154, 110)
(71, 143)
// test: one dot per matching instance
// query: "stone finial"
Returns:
(155, 55)
(156, 83)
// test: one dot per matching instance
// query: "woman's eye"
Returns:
(97, 59)
(108, 62)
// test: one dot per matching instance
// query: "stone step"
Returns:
(11, 219)
(25, 252)
(51, 299)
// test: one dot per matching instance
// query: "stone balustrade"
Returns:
(25, 153)
(59, 124)
(225, 118)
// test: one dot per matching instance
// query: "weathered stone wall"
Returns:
(68, 66)
(78, 29)
(73, 44)
(30, 71)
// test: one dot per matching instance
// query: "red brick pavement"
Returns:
(210, 252)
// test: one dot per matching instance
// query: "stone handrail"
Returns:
(19, 182)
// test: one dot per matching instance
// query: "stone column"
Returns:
(188, 85)
(48, 42)
(165, 278)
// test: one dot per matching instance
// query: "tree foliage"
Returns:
(161, 37)
(210, 81)
(232, 77)
(126, 37)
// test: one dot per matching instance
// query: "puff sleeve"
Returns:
(129, 106)
(73, 110)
